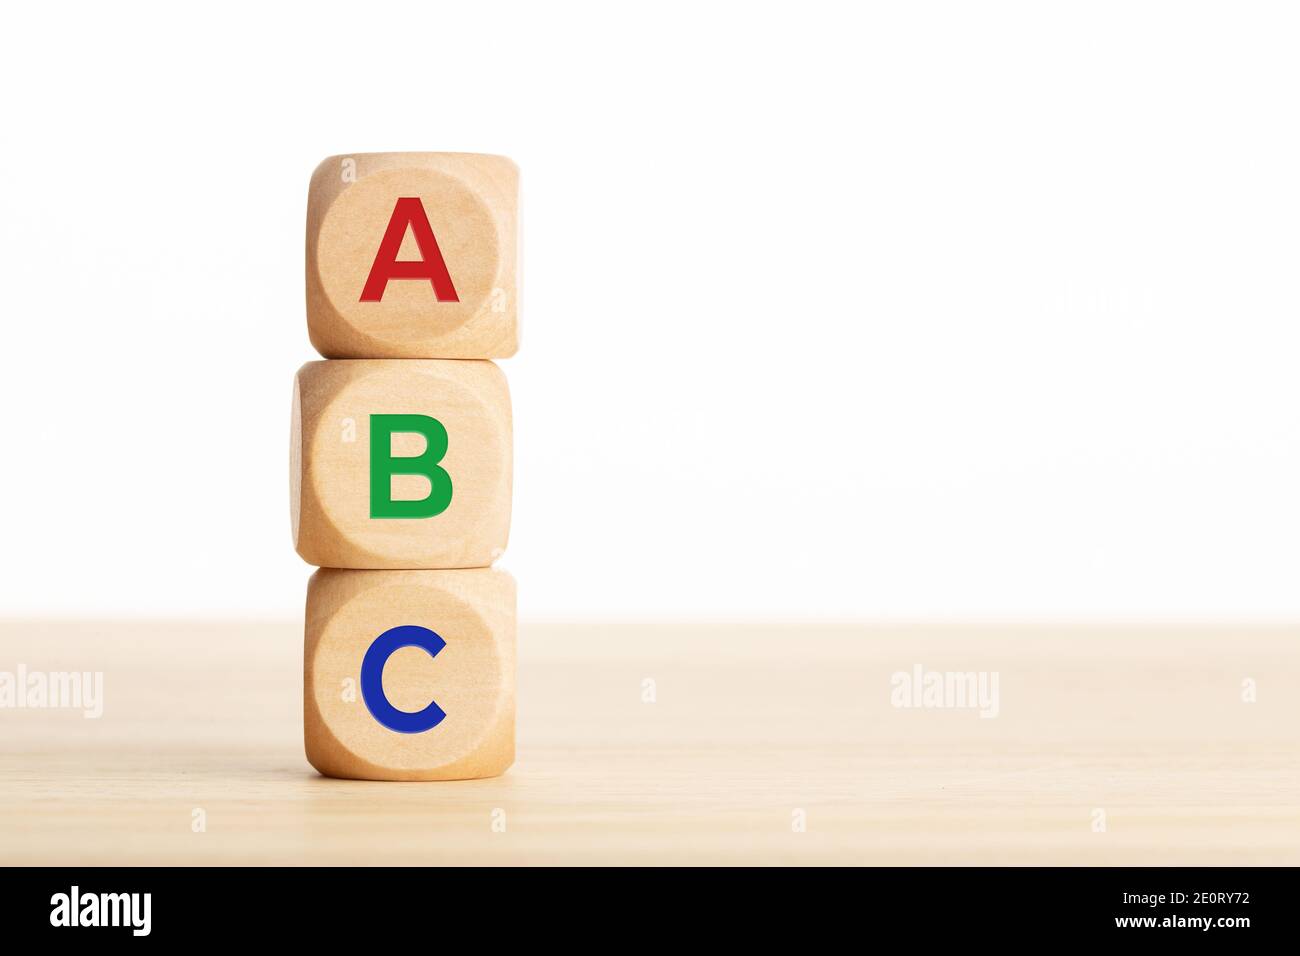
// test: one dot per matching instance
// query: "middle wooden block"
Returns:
(400, 463)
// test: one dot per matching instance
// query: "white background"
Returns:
(918, 310)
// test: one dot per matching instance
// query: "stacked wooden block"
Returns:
(401, 466)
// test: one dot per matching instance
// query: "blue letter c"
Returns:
(372, 679)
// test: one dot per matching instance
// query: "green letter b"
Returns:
(383, 466)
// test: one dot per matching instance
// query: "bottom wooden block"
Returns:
(410, 675)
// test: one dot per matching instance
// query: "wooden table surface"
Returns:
(1118, 745)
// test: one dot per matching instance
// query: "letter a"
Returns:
(409, 214)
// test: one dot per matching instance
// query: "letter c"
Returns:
(372, 679)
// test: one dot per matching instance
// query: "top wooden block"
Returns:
(412, 255)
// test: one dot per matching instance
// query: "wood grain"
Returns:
(749, 724)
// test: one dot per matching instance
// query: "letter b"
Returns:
(383, 466)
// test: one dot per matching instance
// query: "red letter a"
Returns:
(409, 212)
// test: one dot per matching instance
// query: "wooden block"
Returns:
(400, 464)
(410, 675)
(412, 255)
